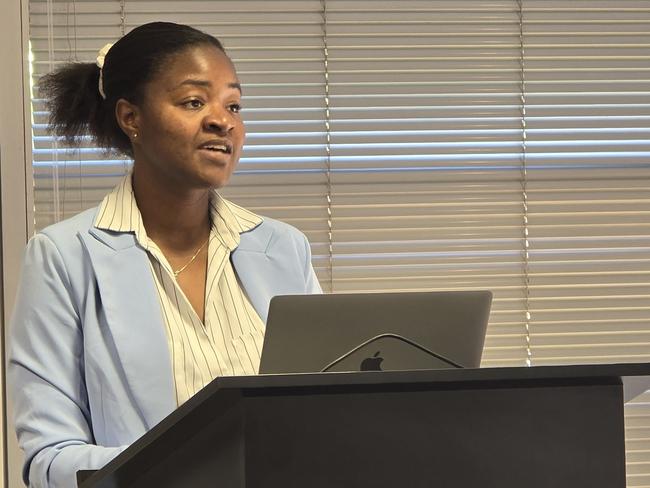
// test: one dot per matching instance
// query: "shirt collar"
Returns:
(229, 220)
(118, 212)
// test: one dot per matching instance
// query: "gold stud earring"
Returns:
(135, 135)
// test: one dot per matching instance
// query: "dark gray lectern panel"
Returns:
(186, 450)
(543, 427)
(219, 440)
(496, 438)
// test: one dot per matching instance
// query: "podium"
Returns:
(537, 427)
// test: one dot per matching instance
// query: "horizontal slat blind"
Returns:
(68, 180)
(426, 131)
(588, 93)
(436, 109)
(588, 114)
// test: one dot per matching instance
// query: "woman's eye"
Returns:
(235, 108)
(193, 104)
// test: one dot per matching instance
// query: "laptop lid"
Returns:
(375, 331)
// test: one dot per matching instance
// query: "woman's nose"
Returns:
(219, 120)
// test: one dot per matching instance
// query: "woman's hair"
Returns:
(76, 106)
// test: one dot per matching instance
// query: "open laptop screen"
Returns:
(375, 331)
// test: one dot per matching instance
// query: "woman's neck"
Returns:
(176, 219)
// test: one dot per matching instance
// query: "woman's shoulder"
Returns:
(64, 235)
(272, 232)
(273, 225)
(70, 227)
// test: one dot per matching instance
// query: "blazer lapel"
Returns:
(249, 267)
(251, 264)
(129, 300)
(262, 270)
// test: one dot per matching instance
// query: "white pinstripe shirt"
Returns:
(230, 340)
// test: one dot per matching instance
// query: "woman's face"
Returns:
(189, 130)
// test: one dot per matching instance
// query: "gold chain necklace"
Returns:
(180, 270)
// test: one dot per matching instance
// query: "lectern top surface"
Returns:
(634, 376)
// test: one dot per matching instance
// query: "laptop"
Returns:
(375, 331)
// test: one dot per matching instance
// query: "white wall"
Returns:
(15, 188)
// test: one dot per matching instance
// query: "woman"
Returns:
(128, 309)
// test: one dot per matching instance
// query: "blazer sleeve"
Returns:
(46, 374)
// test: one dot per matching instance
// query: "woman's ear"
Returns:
(128, 116)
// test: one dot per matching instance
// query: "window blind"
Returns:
(426, 145)
(588, 112)
(426, 135)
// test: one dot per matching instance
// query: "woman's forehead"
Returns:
(198, 65)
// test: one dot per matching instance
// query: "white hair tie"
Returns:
(101, 56)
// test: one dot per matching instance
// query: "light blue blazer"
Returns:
(89, 366)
